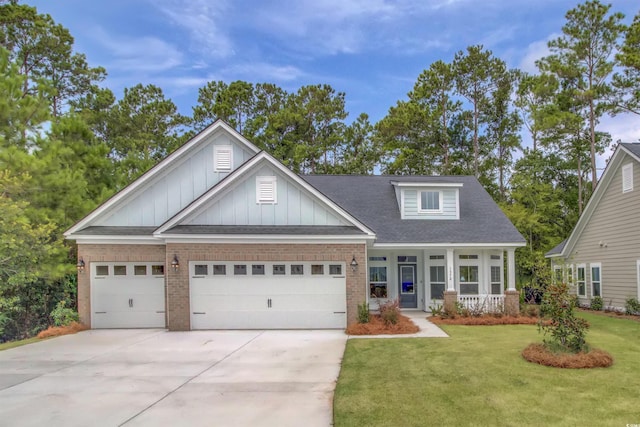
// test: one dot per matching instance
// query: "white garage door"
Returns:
(277, 295)
(127, 295)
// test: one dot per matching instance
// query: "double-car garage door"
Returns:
(275, 295)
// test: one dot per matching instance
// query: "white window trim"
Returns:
(591, 267)
(578, 267)
(570, 275)
(430, 211)
(218, 166)
(627, 178)
(263, 181)
(555, 275)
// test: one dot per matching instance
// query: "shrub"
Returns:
(390, 311)
(436, 309)
(566, 330)
(363, 313)
(597, 303)
(632, 306)
(62, 315)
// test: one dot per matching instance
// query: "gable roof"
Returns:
(372, 199)
(630, 149)
(557, 250)
(158, 169)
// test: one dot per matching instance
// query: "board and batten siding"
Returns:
(238, 206)
(449, 204)
(168, 194)
(612, 237)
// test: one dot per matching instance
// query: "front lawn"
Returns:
(478, 377)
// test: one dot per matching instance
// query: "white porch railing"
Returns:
(482, 303)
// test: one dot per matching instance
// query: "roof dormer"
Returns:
(428, 200)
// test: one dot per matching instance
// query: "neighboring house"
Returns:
(601, 257)
(220, 235)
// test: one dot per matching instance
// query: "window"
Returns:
(279, 270)
(378, 282)
(436, 256)
(496, 280)
(377, 258)
(317, 269)
(335, 269)
(201, 269)
(222, 158)
(430, 201)
(467, 256)
(266, 189)
(102, 270)
(570, 275)
(580, 281)
(468, 280)
(496, 257)
(557, 273)
(297, 269)
(405, 258)
(157, 270)
(240, 270)
(596, 280)
(627, 178)
(437, 281)
(257, 269)
(219, 270)
(140, 270)
(119, 270)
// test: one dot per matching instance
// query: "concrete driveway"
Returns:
(154, 377)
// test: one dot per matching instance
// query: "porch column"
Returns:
(450, 295)
(512, 297)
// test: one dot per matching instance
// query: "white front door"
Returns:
(273, 295)
(127, 295)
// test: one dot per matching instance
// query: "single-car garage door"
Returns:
(127, 295)
(259, 295)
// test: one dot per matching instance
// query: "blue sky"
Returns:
(373, 50)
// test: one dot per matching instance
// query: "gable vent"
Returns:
(627, 178)
(266, 189)
(222, 158)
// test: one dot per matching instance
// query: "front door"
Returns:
(408, 290)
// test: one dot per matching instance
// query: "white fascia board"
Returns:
(447, 245)
(594, 201)
(258, 238)
(116, 240)
(427, 184)
(154, 171)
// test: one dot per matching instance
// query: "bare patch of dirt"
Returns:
(56, 331)
(538, 353)
(485, 320)
(376, 326)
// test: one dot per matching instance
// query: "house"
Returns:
(601, 257)
(220, 235)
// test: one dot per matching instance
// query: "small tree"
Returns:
(566, 330)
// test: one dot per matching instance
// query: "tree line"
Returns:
(67, 142)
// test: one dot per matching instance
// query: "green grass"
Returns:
(12, 344)
(478, 377)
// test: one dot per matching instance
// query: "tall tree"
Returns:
(360, 153)
(234, 103)
(534, 95)
(627, 81)
(585, 50)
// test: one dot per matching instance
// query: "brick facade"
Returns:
(177, 283)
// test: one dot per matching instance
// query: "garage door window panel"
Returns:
(257, 269)
(201, 270)
(317, 269)
(140, 270)
(157, 270)
(219, 270)
(240, 270)
(119, 270)
(279, 270)
(335, 269)
(102, 270)
(297, 269)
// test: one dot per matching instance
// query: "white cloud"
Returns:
(261, 71)
(138, 54)
(204, 21)
(535, 51)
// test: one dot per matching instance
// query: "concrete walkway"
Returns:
(427, 329)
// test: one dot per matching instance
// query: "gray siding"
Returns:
(614, 224)
(188, 179)
(237, 205)
(449, 202)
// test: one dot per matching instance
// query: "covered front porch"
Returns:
(421, 278)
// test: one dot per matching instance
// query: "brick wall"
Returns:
(178, 317)
(178, 292)
(109, 253)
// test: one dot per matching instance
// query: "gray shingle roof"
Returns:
(633, 147)
(372, 200)
(265, 230)
(557, 249)
(116, 231)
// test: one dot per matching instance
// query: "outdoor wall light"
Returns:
(354, 264)
(80, 265)
(175, 264)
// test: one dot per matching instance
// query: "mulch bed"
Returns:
(538, 353)
(376, 326)
(56, 331)
(485, 320)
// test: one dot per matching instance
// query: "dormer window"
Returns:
(222, 158)
(266, 187)
(430, 201)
